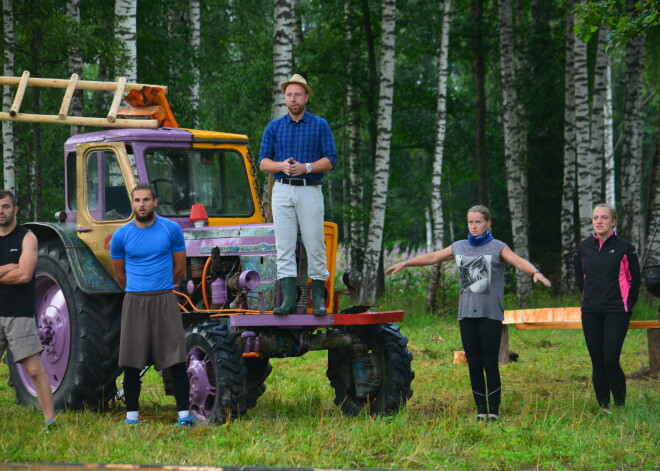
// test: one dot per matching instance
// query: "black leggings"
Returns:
(604, 334)
(180, 387)
(481, 342)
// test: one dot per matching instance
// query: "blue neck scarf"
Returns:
(480, 239)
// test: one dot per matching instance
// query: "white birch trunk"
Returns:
(630, 223)
(567, 218)
(8, 153)
(597, 145)
(382, 165)
(355, 182)
(436, 176)
(75, 67)
(515, 147)
(282, 52)
(126, 34)
(195, 45)
(608, 138)
(583, 157)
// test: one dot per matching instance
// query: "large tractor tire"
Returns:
(376, 379)
(80, 336)
(223, 384)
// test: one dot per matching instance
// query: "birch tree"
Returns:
(282, 52)
(75, 66)
(382, 164)
(8, 152)
(630, 223)
(567, 218)
(436, 176)
(585, 184)
(355, 231)
(515, 146)
(195, 45)
(608, 137)
(126, 34)
(598, 102)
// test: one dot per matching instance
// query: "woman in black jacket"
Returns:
(608, 273)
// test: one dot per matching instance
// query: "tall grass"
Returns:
(549, 417)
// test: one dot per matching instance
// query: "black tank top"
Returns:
(15, 300)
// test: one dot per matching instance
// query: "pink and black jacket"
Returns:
(608, 274)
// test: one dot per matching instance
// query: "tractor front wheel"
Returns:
(223, 384)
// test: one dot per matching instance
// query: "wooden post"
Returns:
(66, 101)
(20, 91)
(504, 345)
(653, 336)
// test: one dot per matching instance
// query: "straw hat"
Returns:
(300, 80)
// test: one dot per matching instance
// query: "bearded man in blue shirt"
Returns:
(297, 149)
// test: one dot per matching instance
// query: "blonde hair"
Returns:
(609, 207)
(480, 208)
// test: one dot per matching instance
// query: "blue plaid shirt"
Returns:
(306, 141)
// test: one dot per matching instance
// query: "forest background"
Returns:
(435, 107)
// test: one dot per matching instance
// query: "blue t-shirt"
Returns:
(147, 254)
(306, 141)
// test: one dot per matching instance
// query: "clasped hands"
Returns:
(292, 168)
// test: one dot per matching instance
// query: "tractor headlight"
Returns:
(352, 278)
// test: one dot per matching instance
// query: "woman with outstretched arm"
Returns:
(481, 263)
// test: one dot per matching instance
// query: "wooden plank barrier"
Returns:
(571, 318)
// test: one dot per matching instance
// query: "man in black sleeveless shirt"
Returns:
(18, 329)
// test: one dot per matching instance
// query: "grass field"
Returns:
(549, 417)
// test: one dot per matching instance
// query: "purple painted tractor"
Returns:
(206, 182)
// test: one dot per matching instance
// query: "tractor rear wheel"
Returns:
(80, 336)
(375, 374)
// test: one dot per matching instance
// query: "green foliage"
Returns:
(549, 417)
(625, 23)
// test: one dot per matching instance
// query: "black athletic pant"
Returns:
(604, 334)
(481, 342)
(180, 387)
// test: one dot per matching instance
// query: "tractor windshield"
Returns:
(217, 178)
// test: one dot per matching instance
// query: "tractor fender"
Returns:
(88, 273)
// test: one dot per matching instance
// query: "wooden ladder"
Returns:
(110, 121)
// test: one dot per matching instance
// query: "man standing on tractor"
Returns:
(298, 149)
(18, 327)
(148, 257)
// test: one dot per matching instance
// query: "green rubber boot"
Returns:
(318, 297)
(289, 302)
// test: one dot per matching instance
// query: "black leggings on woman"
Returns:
(604, 334)
(481, 342)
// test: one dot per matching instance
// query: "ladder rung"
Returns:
(66, 101)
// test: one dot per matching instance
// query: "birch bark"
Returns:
(436, 176)
(630, 224)
(126, 34)
(8, 153)
(195, 45)
(599, 98)
(567, 218)
(282, 52)
(585, 183)
(75, 67)
(355, 213)
(515, 146)
(382, 165)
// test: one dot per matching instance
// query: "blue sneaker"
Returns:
(185, 421)
(131, 422)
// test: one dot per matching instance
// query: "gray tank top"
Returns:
(481, 276)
